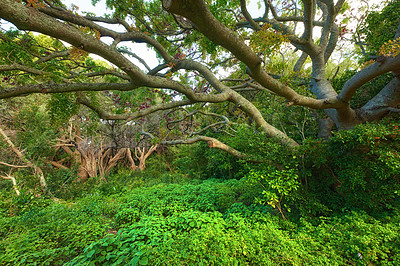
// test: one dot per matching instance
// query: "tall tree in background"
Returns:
(194, 41)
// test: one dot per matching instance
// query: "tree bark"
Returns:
(142, 155)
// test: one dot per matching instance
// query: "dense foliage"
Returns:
(193, 222)
(80, 187)
(307, 207)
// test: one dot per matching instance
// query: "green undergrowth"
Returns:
(185, 222)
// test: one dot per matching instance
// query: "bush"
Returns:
(248, 238)
(39, 231)
(198, 222)
(356, 169)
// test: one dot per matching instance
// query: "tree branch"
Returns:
(38, 171)
(14, 166)
(58, 88)
(8, 177)
(367, 74)
(246, 14)
(212, 143)
(309, 13)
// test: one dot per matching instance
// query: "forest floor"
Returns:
(131, 220)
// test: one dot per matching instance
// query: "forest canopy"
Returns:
(208, 62)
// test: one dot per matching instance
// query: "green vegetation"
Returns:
(288, 159)
(190, 222)
(322, 210)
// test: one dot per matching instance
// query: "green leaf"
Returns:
(144, 261)
(91, 253)
(120, 260)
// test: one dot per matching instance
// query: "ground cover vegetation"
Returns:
(253, 141)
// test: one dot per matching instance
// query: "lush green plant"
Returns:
(197, 222)
(357, 168)
(35, 133)
(381, 27)
(39, 231)
(278, 184)
(247, 237)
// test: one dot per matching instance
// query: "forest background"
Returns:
(195, 132)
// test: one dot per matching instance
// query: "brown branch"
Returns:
(130, 159)
(14, 166)
(110, 21)
(102, 73)
(212, 143)
(64, 53)
(199, 14)
(57, 165)
(367, 74)
(38, 171)
(8, 177)
(58, 88)
(248, 17)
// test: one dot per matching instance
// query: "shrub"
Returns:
(356, 169)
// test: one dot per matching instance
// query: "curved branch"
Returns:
(64, 53)
(212, 143)
(130, 116)
(118, 37)
(14, 166)
(102, 73)
(8, 177)
(248, 17)
(201, 16)
(109, 21)
(333, 39)
(121, 50)
(58, 88)
(300, 62)
(378, 68)
(383, 103)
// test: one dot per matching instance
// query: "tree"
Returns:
(194, 40)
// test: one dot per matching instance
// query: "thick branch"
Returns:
(383, 103)
(212, 143)
(214, 30)
(367, 74)
(57, 88)
(309, 13)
